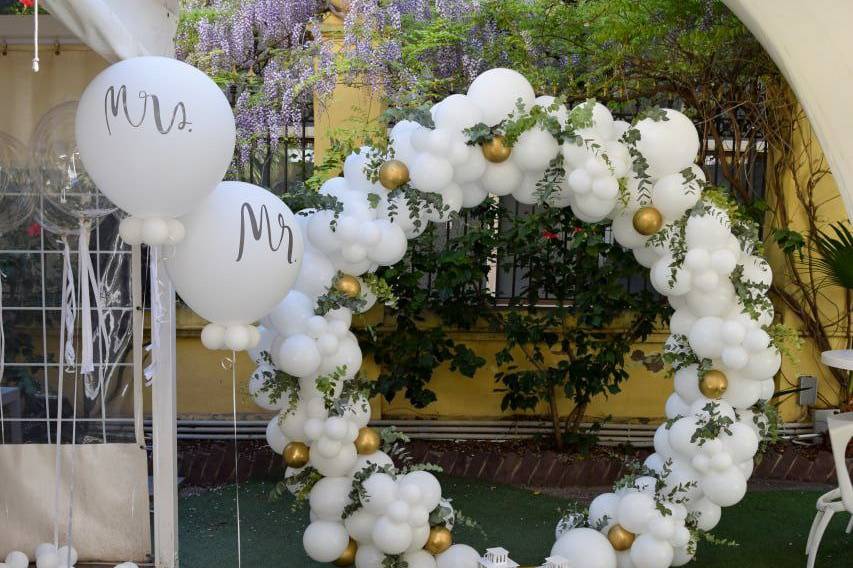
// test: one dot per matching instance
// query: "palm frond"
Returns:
(836, 255)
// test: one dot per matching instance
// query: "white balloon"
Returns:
(668, 146)
(709, 231)
(379, 458)
(430, 173)
(534, 149)
(675, 406)
(360, 525)
(706, 337)
(604, 506)
(17, 559)
(457, 112)
(756, 340)
(651, 552)
(298, 355)
(155, 134)
(458, 556)
(624, 232)
(763, 365)
(723, 261)
(234, 265)
(67, 552)
(740, 392)
(672, 196)
(708, 513)
(46, 560)
(497, 91)
(716, 302)
(380, 490)
(501, 179)
(635, 511)
(734, 357)
(686, 383)
(392, 244)
(368, 557)
(275, 437)
(724, 488)
(428, 485)
(742, 443)
(420, 559)
(585, 547)
(391, 537)
(325, 541)
(329, 497)
(337, 466)
(669, 282)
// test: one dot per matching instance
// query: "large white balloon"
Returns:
(585, 547)
(458, 556)
(156, 135)
(497, 91)
(240, 256)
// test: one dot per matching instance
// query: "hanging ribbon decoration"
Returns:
(2, 363)
(36, 38)
(67, 357)
(232, 364)
(157, 312)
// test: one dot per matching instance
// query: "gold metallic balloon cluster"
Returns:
(647, 221)
(496, 150)
(713, 384)
(296, 455)
(620, 539)
(348, 285)
(393, 174)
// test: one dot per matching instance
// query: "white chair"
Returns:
(840, 499)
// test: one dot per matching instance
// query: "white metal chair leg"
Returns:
(818, 535)
(850, 525)
(818, 516)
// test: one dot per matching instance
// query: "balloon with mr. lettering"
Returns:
(241, 254)
(156, 135)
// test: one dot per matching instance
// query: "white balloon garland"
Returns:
(703, 454)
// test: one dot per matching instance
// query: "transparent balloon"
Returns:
(16, 199)
(69, 194)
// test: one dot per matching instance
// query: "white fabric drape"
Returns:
(119, 29)
(811, 44)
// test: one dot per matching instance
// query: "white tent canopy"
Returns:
(810, 43)
(118, 29)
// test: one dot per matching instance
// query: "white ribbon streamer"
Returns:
(236, 452)
(66, 358)
(2, 364)
(157, 312)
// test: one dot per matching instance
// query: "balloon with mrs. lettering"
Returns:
(241, 254)
(156, 135)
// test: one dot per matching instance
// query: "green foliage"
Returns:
(836, 255)
(711, 424)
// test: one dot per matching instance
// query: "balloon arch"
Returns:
(156, 136)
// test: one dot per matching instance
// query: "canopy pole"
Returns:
(164, 424)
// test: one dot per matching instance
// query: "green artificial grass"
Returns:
(770, 527)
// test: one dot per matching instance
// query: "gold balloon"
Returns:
(348, 285)
(496, 150)
(296, 455)
(368, 441)
(619, 538)
(439, 540)
(393, 174)
(348, 556)
(713, 384)
(647, 221)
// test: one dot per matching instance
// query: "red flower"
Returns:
(26, 3)
(34, 229)
(577, 230)
(549, 235)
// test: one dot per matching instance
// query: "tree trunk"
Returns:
(555, 419)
